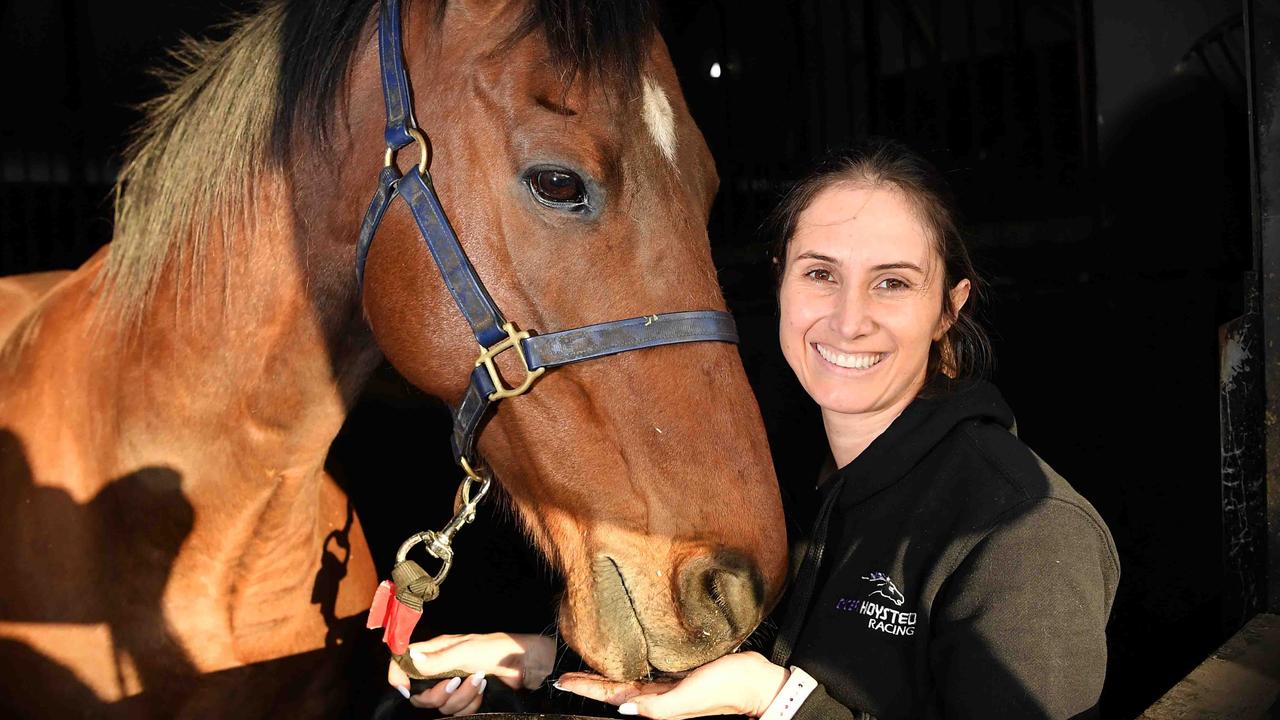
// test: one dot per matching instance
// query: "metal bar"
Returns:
(822, 135)
(1019, 23)
(942, 102)
(74, 240)
(30, 224)
(1225, 47)
(929, 43)
(1009, 86)
(1262, 38)
(908, 96)
(1198, 51)
(850, 76)
(1241, 680)
(1087, 80)
(971, 77)
(1242, 463)
(871, 41)
(1046, 122)
(8, 229)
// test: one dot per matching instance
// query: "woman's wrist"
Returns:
(771, 680)
(794, 693)
(538, 660)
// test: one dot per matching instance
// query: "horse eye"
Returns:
(559, 189)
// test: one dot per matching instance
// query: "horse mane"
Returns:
(232, 108)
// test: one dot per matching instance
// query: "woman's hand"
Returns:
(516, 660)
(739, 684)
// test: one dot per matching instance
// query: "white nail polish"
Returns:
(476, 679)
(557, 685)
(484, 683)
(403, 691)
(628, 709)
(453, 685)
(416, 655)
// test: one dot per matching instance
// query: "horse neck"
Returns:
(238, 376)
(264, 344)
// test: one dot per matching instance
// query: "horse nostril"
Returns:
(722, 588)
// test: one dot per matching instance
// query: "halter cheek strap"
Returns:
(395, 81)
(492, 331)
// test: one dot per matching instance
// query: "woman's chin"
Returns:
(838, 397)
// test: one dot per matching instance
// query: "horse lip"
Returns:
(636, 626)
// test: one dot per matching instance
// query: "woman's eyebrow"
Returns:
(901, 265)
(898, 266)
(811, 255)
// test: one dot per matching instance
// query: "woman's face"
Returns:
(861, 300)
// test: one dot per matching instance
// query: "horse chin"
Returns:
(603, 627)
(615, 635)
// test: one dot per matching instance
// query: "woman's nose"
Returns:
(851, 317)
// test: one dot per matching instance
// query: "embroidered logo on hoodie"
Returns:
(880, 617)
(885, 588)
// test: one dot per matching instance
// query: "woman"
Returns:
(952, 573)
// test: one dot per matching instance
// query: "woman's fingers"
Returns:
(397, 678)
(495, 653)
(455, 696)
(484, 658)
(741, 683)
(515, 660)
(676, 704)
(436, 695)
(466, 698)
(439, 642)
(474, 707)
(604, 690)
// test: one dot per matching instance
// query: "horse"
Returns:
(167, 407)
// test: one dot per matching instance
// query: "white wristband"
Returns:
(791, 696)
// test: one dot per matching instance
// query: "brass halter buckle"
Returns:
(487, 354)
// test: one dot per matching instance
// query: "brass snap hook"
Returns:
(439, 544)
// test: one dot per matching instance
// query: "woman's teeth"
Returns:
(859, 361)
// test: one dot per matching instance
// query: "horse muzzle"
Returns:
(666, 620)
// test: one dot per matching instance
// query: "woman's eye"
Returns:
(559, 189)
(892, 284)
(820, 275)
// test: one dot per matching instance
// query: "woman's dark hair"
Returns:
(964, 352)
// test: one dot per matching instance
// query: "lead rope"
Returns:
(806, 578)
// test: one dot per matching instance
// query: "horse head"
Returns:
(580, 188)
(885, 588)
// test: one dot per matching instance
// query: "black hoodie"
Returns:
(961, 576)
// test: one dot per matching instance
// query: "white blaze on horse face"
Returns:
(660, 119)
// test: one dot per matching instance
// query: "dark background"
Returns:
(1100, 152)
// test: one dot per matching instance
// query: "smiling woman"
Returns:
(861, 303)
(873, 288)
(941, 540)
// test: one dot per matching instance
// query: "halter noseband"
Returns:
(492, 331)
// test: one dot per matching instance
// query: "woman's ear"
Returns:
(959, 296)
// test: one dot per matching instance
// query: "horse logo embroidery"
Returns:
(885, 588)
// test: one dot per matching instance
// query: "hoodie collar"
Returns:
(910, 437)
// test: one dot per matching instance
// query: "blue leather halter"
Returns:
(492, 331)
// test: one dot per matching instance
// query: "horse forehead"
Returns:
(659, 117)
